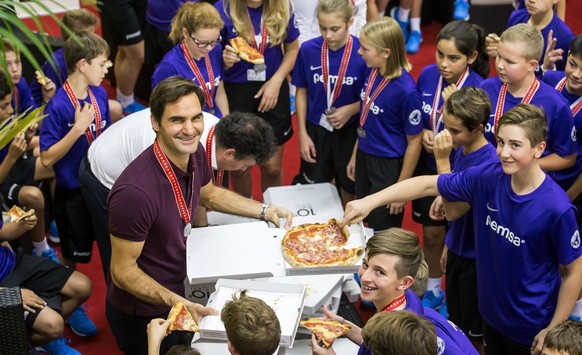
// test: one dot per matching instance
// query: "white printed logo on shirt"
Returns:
(440, 346)
(575, 241)
(573, 134)
(414, 117)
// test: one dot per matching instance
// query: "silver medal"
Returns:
(187, 230)
(329, 111)
(361, 132)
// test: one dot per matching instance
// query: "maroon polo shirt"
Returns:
(142, 208)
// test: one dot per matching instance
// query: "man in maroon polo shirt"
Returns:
(151, 208)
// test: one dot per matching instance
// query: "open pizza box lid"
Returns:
(237, 251)
(285, 299)
(306, 200)
(357, 239)
(318, 289)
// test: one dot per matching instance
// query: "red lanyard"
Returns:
(75, 102)
(395, 304)
(180, 202)
(576, 105)
(501, 99)
(332, 96)
(369, 100)
(435, 115)
(208, 94)
(220, 173)
(261, 48)
(15, 95)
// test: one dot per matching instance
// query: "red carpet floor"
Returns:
(104, 341)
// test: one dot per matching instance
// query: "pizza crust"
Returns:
(326, 330)
(17, 214)
(246, 52)
(42, 80)
(181, 319)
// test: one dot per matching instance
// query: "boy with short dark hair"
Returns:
(564, 339)
(522, 241)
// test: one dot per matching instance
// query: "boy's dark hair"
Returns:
(182, 350)
(78, 20)
(566, 337)
(4, 87)
(251, 325)
(468, 38)
(247, 133)
(471, 105)
(85, 45)
(530, 118)
(402, 333)
(171, 90)
(576, 46)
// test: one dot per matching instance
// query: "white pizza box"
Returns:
(285, 299)
(351, 289)
(213, 347)
(341, 346)
(318, 289)
(237, 251)
(357, 239)
(216, 218)
(306, 200)
(333, 304)
(198, 293)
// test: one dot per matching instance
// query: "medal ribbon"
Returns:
(263, 45)
(436, 115)
(208, 94)
(220, 173)
(332, 96)
(576, 105)
(15, 94)
(75, 102)
(369, 100)
(179, 197)
(395, 303)
(503, 93)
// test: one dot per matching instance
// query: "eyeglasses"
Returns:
(206, 44)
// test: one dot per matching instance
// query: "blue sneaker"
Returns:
(292, 102)
(81, 324)
(60, 346)
(50, 253)
(132, 108)
(413, 43)
(431, 301)
(403, 25)
(576, 318)
(461, 10)
(54, 233)
(443, 310)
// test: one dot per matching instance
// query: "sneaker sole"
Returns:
(81, 334)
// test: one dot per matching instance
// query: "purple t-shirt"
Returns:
(273, 55)
(562, 33)
(142, 208)
(7, 259)
(308, 74)
(60, 118)
(561, 132)
(566, 177)
(175, 63)
(521, 240)
(24, 100)
(460, 237)
(159, 13)
(394, 114)
(58, 76)
(427, 86)
(450, 339)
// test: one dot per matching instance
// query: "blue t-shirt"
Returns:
(24, 100)
(562, 33)
(521, 240)
(60, 118)
(450, 339)
(566, 177)
(7, 259)
(460, 237)
(175, 63)
(395, 114)
(159, 13)
(273, 54)
(58, 76)
(308, 74)
(427, 85)
(561, 132)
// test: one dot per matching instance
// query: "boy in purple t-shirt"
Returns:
(528, 250)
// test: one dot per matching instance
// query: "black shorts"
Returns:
(334, 150)
(21, 174)
(157, 43)
(421, 206)
(496, 343)
(43, 276)
(241, 98)
(372, 175)
(461, 286)
(74, 224)
(124, 19)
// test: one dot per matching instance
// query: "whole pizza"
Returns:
(319, 244)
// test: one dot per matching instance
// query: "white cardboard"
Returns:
(306, 200)
(285, 299)
(220, 219)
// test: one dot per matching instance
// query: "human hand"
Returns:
(356, 211)
(538, 343)
(491, 42)
(317, 349)
(30, 300)
(339, 117)
(396, 207)
(437, 209)
(448, 91)
(84, 116)
(157, 330)
(18, 146)
(443, 145)
(198, 311)
(428, 140)
(30, 132)
(269, 94)
(29, 222)
(307, 148)
(552, 54)
(48, 89)
(274, 213)
(351, 168)
(229, 56)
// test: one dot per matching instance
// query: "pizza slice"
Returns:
(246, 52)
(16, 214)
(181, 319)
(325, 330)
(42, 80)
